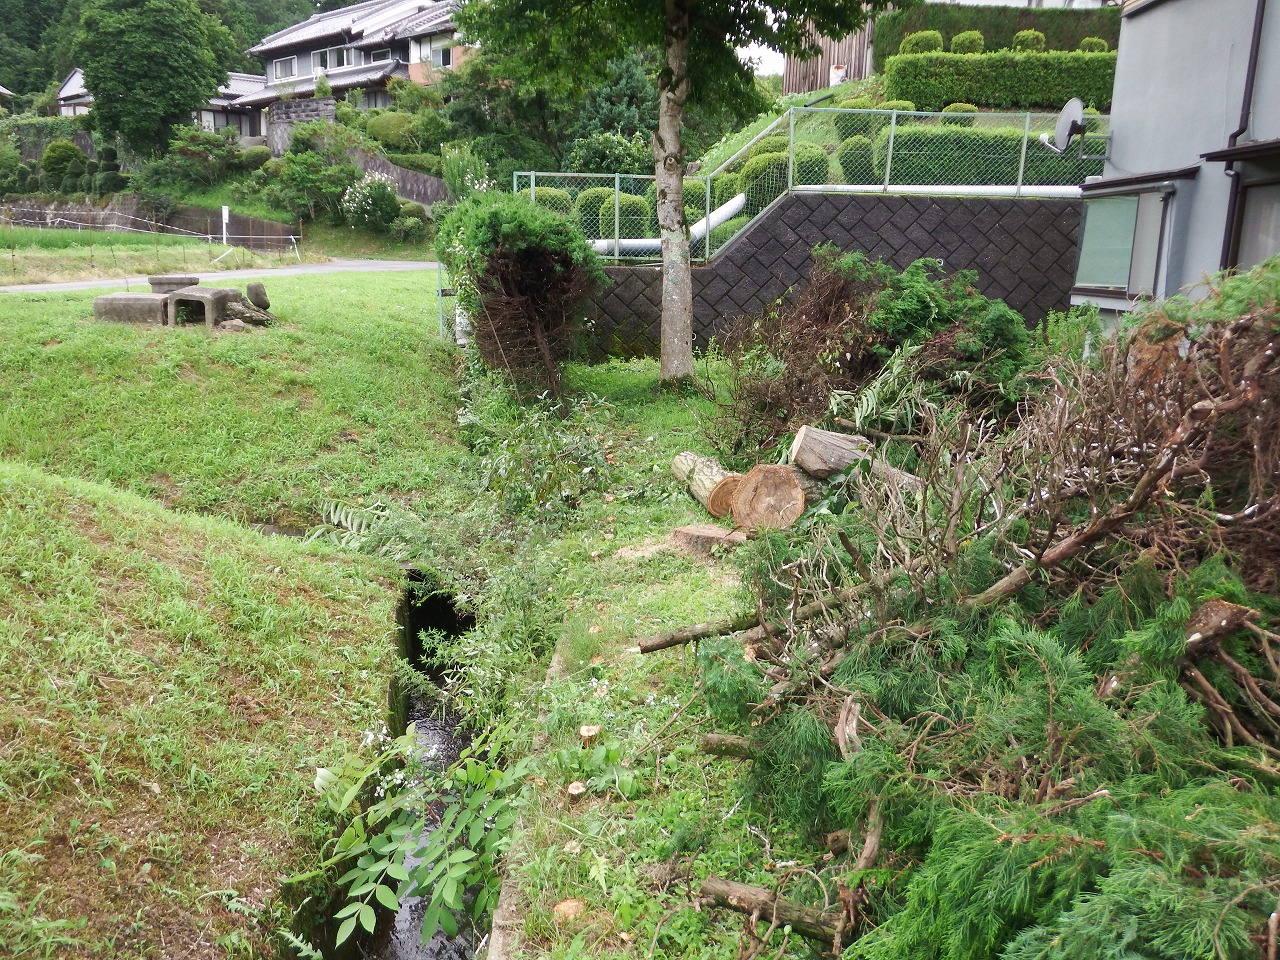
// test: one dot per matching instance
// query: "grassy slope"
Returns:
(347, 397)
(170, 683)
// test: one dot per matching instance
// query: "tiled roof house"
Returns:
(225, 109)
(359, 47)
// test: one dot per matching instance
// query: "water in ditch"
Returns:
(440, 738)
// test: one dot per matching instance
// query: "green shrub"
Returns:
(463, 170)
(959, 114)
(812, 164)
(922, 41)
(724, 187)
(632, 215)
(858, 124)
(1092, 120)
(427, 163)
(371, 202)
(552, 198)
(408, 230)
(856, 160)
(610, 153)
(392, 129)
(969, 41)
(414, 211)
(528, 272)
(1093, 45)
(1028, 41)
(58, 157)
(727, 231)
(764, 178)
(1003, 79)
(306, 185)
(586, 211)
(960, 155)
(10, 167)
(253, 158)
(902, 106)
(774, 143)
(1063, 28)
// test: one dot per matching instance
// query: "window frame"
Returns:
(348, 56)
(275, 68)
(373, 56)
(1133, 288)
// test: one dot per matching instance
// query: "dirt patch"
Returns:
(644, 551)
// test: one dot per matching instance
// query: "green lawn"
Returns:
(347, 397)
(171, 683)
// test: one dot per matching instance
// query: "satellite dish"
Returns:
(1070, 124)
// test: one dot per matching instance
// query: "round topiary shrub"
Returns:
(253, 158)
(902, 106)
(922, 41)
(632, 215)
(1092, 120)
(1094, 45)
(857, 124)
(408, 230)
(970, 41)
(392, 129)
(1028, 41)
(763, 179)
(774, 143)
(552, 198)
(58, 157)
(724, 187)
(586, 211)
(371, 202)
(811, 164)
(959, 114)
(414, 211)
(856, 160)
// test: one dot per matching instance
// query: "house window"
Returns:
(442, 58)
(284, 69)
(379, 56)
(1259, 225)
(1120, 243)
(331, 59)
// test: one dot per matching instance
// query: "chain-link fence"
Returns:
(814, 149)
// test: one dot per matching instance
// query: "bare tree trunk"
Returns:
(668, 156)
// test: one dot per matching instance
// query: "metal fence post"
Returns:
(791, 149)
(617, 214)
(533, 186)
(515, 181)
(706, 236)
(1022, 160)
(888, 155)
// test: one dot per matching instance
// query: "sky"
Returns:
(770, 61)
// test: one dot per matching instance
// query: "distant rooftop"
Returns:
(365, 24)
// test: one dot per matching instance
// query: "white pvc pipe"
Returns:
(722, 214)
(1047, 192)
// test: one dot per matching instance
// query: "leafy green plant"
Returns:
(602, 767)
(764, 178)
(959, 114)
(610, 153)
(968, 41)
(306, 184)
(922, 41)
(371, 202)
(392, 129)
(856, 158)
(1093, 45)
(811, 163)
(464, 171)
(1002, 79)
(456, 825)
(202, 156)
(1029, 41)
(58, 157)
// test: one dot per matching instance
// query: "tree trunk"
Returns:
(711, 485)
(823, 453)
(806, 921)
(726, 745)
(668, 156)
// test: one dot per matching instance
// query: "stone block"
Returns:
(171, 282)
(149, 308)
(210, 301)
(257, 295)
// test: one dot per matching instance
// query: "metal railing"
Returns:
(828, 150)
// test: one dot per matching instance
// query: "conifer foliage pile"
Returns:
(1042, 693)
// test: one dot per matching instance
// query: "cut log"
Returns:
(589, 733)
(705, 537)
(773, 496)
(720, 500)
(704, 477)
(726, 745)
(769, 907)
(824, 453)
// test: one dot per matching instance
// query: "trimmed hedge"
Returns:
(923, 41)
(1094, 45)
(1029, 41)
(857, 124)
(552, 198)
(961, 155)
(763, 179)
(586, 210)
(857, 161)
(1004, 79)
(959, 114)
(812, 164)
(634, 215)
(970, 41)
(1063, 29)
(427, 163)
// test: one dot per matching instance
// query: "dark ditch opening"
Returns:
(440, 739)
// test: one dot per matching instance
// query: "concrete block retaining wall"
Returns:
(1024, 251)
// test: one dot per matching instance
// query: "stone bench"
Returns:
(149, 308)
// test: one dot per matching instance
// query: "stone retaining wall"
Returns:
(1024, 251)
(283, 114)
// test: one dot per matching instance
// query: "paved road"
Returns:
(301, 269)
